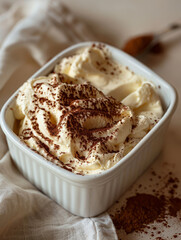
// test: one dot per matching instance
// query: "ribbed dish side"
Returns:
(82, 201)
(73, 198)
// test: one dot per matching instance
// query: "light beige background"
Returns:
(114, 21)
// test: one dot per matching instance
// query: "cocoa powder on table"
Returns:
(139, 211)
(143, 209)
(175, 206)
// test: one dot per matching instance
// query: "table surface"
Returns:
(114, 22)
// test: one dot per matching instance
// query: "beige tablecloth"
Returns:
(32, 32)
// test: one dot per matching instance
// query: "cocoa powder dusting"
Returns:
(143, 209)
(175, 206)
(140, 210)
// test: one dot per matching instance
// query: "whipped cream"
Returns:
(87, 114)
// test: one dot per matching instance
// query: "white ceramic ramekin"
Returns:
(93, 194)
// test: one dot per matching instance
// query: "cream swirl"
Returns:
(87, 114)
(73, 125)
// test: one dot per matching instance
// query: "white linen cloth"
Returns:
(32, 32)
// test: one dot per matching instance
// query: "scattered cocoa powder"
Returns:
(175, 206)
(142, 209)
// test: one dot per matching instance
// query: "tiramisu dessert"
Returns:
(88, 113)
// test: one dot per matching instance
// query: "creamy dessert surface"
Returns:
(88, 113)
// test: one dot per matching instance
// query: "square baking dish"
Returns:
(90, 195)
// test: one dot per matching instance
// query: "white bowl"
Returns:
(90, 195)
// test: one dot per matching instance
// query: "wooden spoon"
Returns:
(139, 45)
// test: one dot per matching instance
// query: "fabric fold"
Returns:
(27, 213)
